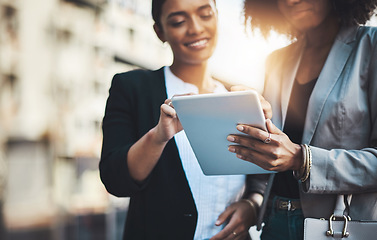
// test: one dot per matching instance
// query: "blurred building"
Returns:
(57, 58)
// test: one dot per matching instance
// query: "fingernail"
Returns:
(218, 222)
(240, 156)
(230, 138)
(240, 128)
(231, 149)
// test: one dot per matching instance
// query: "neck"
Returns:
(324, 34)
(196, 74)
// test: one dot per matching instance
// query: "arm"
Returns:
(144, 154)
(333, 171)
(344, 155)
(122, 139)
(278, 155)
(352, 168)
(243, 214)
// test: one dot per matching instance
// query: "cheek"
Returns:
(174, 38)
(214, 34)
(212, 28)
(325, 8)
(282, 7)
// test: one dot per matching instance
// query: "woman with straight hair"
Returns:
(145, 154)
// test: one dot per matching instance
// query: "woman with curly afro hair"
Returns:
(322, 137)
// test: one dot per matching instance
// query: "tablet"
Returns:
(208, 119)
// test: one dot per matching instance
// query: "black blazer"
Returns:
(162, 207)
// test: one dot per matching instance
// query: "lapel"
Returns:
(158, 94)
(330, 74)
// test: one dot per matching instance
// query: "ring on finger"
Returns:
(234, 233)
(268, 139)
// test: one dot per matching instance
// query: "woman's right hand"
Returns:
(169, 123)
(145, 153)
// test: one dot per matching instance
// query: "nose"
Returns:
(195, 26)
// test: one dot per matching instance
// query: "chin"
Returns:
(197, 58)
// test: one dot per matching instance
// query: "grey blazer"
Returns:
(341, 122)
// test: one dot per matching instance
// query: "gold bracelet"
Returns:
(252, 204)
(309, 163)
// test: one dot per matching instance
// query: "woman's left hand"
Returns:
(241, 217)
(271, 150)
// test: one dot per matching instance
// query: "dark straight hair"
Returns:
(157, 10)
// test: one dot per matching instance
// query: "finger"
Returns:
(236, 88)
(264, 160)
(185, 94)
(267, 110)
(245, 141)
(241, 236)
(166, 109)
(233, 230)
(243, 153)
(254, 132)
(272, 128)
(237, 235)
(225, 232)
(224, 216)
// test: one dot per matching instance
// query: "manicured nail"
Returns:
(231, 149)
(240, 128)
(230, 138)
(218, 222)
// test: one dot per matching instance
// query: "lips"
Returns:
(198, 44)
(299, 12)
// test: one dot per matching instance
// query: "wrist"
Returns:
(299, 158)
(155, 137)
(255, 201)
(253, 206)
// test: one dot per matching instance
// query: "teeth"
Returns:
(198, 43)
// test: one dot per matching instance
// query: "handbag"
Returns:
(339, 225)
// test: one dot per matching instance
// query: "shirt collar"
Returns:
(175, 85)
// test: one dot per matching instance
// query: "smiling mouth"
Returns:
(300, 12)
(197, 44)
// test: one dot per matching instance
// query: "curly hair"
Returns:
(265, 15)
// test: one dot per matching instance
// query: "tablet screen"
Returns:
(208, 119)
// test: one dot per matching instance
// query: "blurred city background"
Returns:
(57, 59)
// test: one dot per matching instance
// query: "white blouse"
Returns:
(212, 194)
